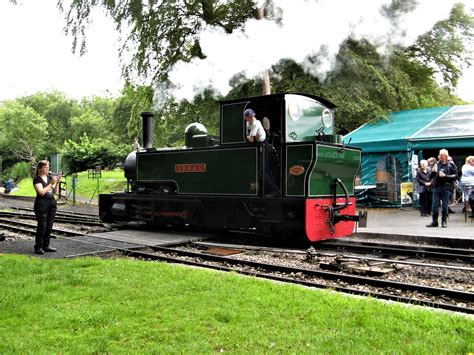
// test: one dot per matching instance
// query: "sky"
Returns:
(35, 55)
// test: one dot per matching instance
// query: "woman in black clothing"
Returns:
(424, 188)
(45, 206)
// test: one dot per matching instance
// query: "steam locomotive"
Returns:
(298, 183)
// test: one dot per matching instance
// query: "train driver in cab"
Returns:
(255, 131)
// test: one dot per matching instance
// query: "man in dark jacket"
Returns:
(443, 175)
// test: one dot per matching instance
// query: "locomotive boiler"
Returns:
(298, 183)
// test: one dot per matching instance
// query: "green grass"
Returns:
(112, 180)
(91, 305)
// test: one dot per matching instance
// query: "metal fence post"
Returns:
(74, 183)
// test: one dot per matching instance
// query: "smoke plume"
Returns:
(305, 28)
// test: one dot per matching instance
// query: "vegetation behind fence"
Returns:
(86, 188)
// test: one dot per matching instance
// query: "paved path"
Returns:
(407, 221)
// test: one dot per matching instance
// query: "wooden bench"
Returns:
(94, 173)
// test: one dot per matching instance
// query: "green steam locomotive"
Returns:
(298, 183)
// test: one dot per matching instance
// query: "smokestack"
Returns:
(147, 129)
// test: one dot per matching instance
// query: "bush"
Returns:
(18, 171)
(87, 154)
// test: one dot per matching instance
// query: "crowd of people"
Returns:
(438, 181)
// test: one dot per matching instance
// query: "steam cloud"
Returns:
(307, 28)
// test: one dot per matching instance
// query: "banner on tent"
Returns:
(406, 194)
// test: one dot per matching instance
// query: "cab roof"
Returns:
(323, 101)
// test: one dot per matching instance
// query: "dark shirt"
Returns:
(446, 182)
(38, 180)
(422, 178)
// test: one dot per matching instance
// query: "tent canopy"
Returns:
(391, 147)
(449, 127)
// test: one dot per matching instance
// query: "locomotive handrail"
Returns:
(343, 148)
(346, 195)
(320, 135)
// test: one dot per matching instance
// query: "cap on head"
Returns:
(249, 112)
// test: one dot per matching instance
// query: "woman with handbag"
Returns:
(424, 189)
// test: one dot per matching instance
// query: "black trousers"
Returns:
(426, 201)
(45, 210)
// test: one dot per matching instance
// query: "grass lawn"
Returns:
(92, 305)
(111, 180)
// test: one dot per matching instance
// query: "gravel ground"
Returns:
(428, 276)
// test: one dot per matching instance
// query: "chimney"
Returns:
(147, 129)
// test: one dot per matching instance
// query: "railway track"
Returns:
(30, 229)
(69, 218)
(407, 250)
(59, 212)
(315, 253)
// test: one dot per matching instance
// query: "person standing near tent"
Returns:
(443, 176)
(452, 197)
(467, 180)
(424, 188)
(431, 162)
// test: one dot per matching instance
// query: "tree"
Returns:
(368, 87)
(105, 122)
(364, 86)
(102, 106)
(165, 32)
(90, 123)
(23, 132)
(87, 153)
(126, 114)
(290, 76)
(161, 32)
(58, 110)
(172, 120)
(448, 47)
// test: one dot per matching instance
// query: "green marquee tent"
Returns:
(392, 147)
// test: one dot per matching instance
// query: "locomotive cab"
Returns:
(292, 119)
